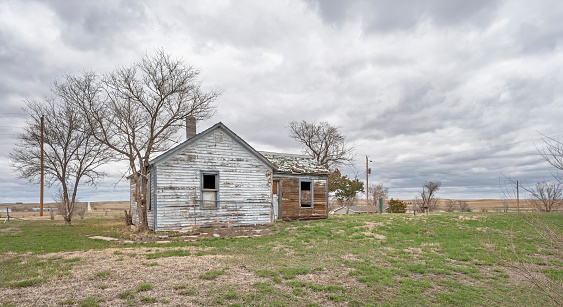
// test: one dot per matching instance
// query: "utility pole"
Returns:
(42, 172)
(517, 196)
(368, 171)
(367, 185)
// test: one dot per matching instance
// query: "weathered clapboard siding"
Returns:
(244, 185)
(291, 209)
(244, 180)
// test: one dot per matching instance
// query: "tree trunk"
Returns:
(142, 211)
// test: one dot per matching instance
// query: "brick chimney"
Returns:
(190, 127)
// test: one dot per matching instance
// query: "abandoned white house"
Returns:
(215, 178)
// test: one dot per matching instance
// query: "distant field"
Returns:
(475, 204)
(445, 259)
(110, 206)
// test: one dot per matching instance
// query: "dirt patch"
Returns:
(107, 273)
(350, 257)
(234, 232)
(371, 225)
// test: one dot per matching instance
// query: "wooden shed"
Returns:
(216, 179)
(300, 187)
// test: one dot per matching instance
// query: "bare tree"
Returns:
(549, 235)
(464, 206)
(546, 196)
(137, 110)
(378, 191)
(428, 195)
(552, 152)
(450, 205)
(325, 143)
(71, 153)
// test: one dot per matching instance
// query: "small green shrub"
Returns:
(126, 295)
(149, 299)
(144, 287)
(104, 273)
(91, 301)
(212, 274)
(24, 283)
(290, 273)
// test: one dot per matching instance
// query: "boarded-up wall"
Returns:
(291, 208)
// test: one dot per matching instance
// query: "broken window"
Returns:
(306, 194)
(209, 190)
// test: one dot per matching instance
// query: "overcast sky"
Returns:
(452, 90)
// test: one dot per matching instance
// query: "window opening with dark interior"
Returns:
(209, 191)
(306, 195)
(209, 181)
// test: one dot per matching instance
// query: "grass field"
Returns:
(356, 260)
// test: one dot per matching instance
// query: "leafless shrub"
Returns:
(484, 209)
(464, 206)
(417, 204)
(551, 237)
(81, 210)
(546, 196)
(450, 205)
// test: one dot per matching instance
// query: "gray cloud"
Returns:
(386, 15)
(427, 89)
(98, 25)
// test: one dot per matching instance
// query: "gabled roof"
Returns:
(217, 126)
(295, 164)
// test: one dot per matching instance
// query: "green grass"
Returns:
(54, 236)
(403, 260)
(104, 273)
(148, 299)
(126, 295)
(150, 263)
(144, 287)
(91, 301)
(28, 270)
(212, 274)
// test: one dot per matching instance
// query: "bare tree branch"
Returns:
(71, 152)
(428, 195)
(137, 110)
(323, 142)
